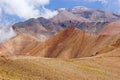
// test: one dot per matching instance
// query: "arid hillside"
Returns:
(69, 43)
(19, 45)
(74, 43)
(101, 67)
(111, 29)
(36, 68)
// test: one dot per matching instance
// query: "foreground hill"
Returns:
(36, 68)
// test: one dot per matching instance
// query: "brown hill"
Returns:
(111, 29)
(19, 45)
(69, 43)
(74, 43)
(103, 44)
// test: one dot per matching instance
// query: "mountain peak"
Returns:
(61, 9)
(80, 8)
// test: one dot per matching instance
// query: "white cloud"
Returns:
(6, 32)
(26, 9)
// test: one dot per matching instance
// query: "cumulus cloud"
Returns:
(6, 32)
(26, 9)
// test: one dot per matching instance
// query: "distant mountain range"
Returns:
(86, 19)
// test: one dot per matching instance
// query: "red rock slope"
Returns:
(74, 43)
(111, 29)
(69, 43)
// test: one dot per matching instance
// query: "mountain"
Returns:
(84, 18)
(112, 28)
(68, 43)
(40, 28)
(87, 19)
(74, 43)
(71, 42)
(19, 45)
(95, 15)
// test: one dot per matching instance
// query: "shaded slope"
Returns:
(19, 45)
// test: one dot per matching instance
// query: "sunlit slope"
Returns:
(111, 29)
(19, 45)
(103, 44)
(35, 68)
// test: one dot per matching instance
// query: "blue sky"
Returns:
(18, 10)
(110, 5)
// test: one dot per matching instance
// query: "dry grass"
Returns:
(35, 68)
